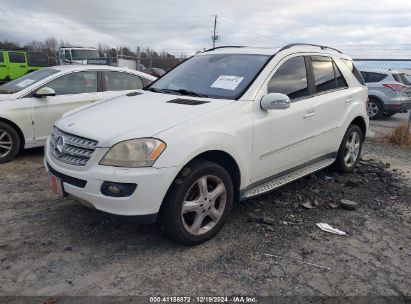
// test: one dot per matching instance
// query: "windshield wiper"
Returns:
(179, 91)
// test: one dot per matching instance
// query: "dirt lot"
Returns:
(53, 246)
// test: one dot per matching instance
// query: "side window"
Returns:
(364, 76)
(341, 82)
(323, 73)
(67, 54)
(350, 65)
(75, 83)
(121, 81)
(290, 79)
(374, 77)
(37, 59)
(1, 57)
(17, 57)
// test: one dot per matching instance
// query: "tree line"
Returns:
(148, 57)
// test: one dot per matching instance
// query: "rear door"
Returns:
(331, 101)
(116, 83)
(72, 91)
(3, 67)
(280, 136)
(17, 64)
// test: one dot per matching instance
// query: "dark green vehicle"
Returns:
(14, 64)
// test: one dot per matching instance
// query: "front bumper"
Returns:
(84, 184)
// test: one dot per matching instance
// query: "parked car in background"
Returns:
(30, 105)
(389, 92)
(229, 123)
(157, 72)
(14, 64)
(80, 55)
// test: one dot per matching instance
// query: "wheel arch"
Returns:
(17, 128)
(360, 122)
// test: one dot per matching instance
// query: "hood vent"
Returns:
(133, 94)
(189, 102)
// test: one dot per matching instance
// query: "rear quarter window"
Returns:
(351, 66)
(372, 77)
(1, 57)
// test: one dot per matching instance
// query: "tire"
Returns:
(204, 215)
(375, 109)
(9, 142)
(349, 146)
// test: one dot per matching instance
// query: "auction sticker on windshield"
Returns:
(227, 82)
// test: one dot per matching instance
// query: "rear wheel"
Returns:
(350, 149)
(375, 108)
(9, 143)
(198, 203)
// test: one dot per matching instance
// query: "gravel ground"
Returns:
(52, 246)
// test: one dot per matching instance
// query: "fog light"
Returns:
(117, 189)
(114, 189)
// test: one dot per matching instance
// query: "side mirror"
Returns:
(44, 92)
(275, 101)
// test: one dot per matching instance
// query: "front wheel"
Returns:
(198, 203)
(350, 149)
(9, 143)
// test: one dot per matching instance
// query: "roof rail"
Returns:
(323, 47)
(224, 46)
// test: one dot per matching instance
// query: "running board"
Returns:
(287, 178)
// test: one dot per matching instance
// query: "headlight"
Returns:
(134, 153)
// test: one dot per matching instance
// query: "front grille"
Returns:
(71, 149)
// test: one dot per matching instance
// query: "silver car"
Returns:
(389, 92)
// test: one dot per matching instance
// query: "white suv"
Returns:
(225, 125)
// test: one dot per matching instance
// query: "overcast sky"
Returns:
(186, 25)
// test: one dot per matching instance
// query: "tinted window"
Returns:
(354, 70)
(290, 79)
(323, 73)
(37, 59)
(117, 81)
(370, 77)
(341, 83)
(1, 57)
(401, 78)
(75, 83)
(213, 75)
(26, 81)
(17, 57)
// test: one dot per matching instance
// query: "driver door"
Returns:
(73, 90)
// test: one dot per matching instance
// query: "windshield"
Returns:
(84, 54)
(217, 76)
(23, 82)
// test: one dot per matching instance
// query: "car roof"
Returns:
(80, 67)
(270, 51)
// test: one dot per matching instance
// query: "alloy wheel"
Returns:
(204, 204)
(5, 143)
(372, 109)
(352, 149)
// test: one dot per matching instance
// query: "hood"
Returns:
(4, 97)
(128, 117)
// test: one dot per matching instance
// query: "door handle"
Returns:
(348, 100)
(22, 66)
(309, 113)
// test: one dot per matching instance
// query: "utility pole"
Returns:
(138, 59)
(215, 37)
